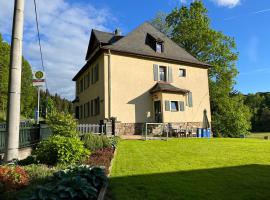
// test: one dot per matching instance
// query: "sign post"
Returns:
(38, 81)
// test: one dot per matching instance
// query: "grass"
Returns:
(192, 169)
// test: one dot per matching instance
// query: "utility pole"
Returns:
(14, 87)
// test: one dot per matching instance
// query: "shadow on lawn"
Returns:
(240, 182)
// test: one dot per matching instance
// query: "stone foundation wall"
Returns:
(136, 128)
(128, 128)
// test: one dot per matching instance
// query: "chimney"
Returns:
(117, 32)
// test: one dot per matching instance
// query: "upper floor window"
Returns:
(182, 72)
(162, 73)
(95, 74)
(81, 85)
(158, 47)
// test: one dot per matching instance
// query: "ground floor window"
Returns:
(174, 106)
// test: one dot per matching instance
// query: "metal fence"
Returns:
(28, 136)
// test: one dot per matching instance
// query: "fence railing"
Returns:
(95, 128)
(28, 135)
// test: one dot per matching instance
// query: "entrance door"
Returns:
(158, 114)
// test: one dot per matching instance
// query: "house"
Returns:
(138, 78)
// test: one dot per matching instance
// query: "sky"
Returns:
(65, 27)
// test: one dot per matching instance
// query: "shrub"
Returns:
(81, 182)
(60, 149)
(114, 140)
(12, 178)
(27, 161)
(62, 124)
(94, 142)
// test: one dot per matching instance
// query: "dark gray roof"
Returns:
(166, 87)
(103, 37)
(135, 42)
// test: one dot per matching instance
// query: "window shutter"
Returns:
(181, 106)
(167, 105)
(170, 75)
(155, 69)
(190, 101)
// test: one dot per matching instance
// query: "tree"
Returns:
(189, 27)
(28, 97)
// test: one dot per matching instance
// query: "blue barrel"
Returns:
(199, 132)
(208, 133)
(204, 133)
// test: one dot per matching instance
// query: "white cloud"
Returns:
(65, 30)
(227, 3)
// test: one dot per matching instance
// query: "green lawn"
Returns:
(191, 169)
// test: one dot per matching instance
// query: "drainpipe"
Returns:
(109, 83)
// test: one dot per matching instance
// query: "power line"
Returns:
(40, 50)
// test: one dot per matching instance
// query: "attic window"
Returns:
(159, 47)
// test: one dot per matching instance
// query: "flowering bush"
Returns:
(12, 178)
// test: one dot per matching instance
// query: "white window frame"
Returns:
(184, 72)
(176, 104)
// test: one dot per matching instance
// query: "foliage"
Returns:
(232, 118)
(222, 168)
(94, 142)
(60, 149)
(12, 178)
(62, 124)
(114, 140)
(27, 161)
(28, 97)
(81, 182)
(259, 104)
(28, 91)
(190, 28)
(101, 157)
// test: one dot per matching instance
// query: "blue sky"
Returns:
(65, 28)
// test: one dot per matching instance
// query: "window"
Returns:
(162, 73)
(77, 112)
(182, 72)
(158, 47)
(174, 106)
(81, 112)
(96, 106)
(95, 74)
(92, 107)
(86, 80)
(81, 85)
(88, 109)
(77, 87)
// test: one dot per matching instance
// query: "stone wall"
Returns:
(128, 128)
(136, 128)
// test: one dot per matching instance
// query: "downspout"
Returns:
(109, 83)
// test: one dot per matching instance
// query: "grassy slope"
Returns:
(192, 169)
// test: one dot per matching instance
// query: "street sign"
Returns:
(38, 78)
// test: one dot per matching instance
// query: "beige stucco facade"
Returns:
(123, 88)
